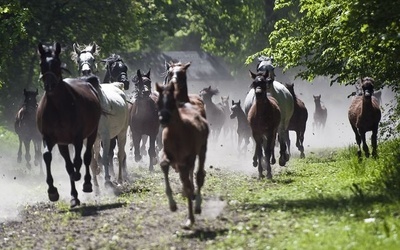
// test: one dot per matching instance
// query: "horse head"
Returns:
(367, 87)
(261, 83)
(116, 70)
(142, 84)
(30, 97)
(265, 64)
(84, 57)
(176, 73)
(166, 103)
(50, 65)
(235, 109)
(208, 93)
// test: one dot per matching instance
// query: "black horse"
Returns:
(25, 127)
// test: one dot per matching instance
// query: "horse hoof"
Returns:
(77, 176)
(188, 224)
(28, 166)
(75, 202)
(173, 207)
(255, 164)
(282, 162)
(269, 176)
(19, 160)
(302, 156)
(53, 195)
(96, 171)
(164, 163)
(87, 187)
(151, 168)
(197, 210)
(138, 158)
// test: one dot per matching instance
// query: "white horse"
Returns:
(113, 123)
(286, 105)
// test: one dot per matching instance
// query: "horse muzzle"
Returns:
(164, 117)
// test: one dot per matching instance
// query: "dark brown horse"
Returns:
(298, 122)
(176, 74)
(365, 115)
(264, 117)
(68, 113)
(143, 115)
(320, 113)
(243, 127)
(215, 112)
(184, 136)
(26, 129)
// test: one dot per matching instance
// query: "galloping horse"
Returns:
(84, 57)
(26, 129)
(68, 113)
(184, 136)
(176, 74)
(320, 113)
(298, 122)
(364, 115)
(215, 113)
(286, 106)
(144, 117)
(243, 128)
(264, 118)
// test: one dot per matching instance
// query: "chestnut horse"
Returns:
(143, 119)
(68, 113)
(298, 122)
(364, 115)
(176, 74)
(184, 136)
(243, 127)
(26, 129)
(264, 118)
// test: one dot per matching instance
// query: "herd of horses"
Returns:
(83, 111)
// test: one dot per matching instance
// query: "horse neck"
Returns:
(181, 94)
(241, 116)
(318, 106)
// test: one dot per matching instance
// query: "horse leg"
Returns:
(94, 163)
(87, 157)
(374, 142)
(122, 173)
(200, 177)
(106, 147)
(64, 151)
(38, 160)
(282, 143)
(187, 189)
(136, 137)
(47, 157)
(143, 146)
(269, 147)
(152, 152)
(258, 156)
(113, 144)
(19, 155)
(165, 168)
(27, 153)
(364, 143)
(358, 140)
(77, 159)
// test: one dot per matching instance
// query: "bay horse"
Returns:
(143, 119)
(68, 112)
(286, 106)
(215, 113)
(298, 122)
(26, 129)
(264, 118)
(176, 74)
(185, 133)
(364, 115)
(243, 127)
(320, 114)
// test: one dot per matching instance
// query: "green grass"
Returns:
(326, 201)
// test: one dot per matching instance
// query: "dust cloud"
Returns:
(21, 187)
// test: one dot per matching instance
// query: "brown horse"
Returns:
(229, 126)
(298, 122)
(243, 127)
(143, 115)
(176, 74)
(264, 117)
(215, 112)
(68, 113)
(184, 136)
(320, 113)
(26, 129)
(364, 115)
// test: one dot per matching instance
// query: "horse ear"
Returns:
(94, 47)
(148, 74)
(187, 65)
(76, 49)
(239, 102)
(40, 49)
(139, 74)
(159, 88)
(252, 75)
(24, 91)
(37, 92)
(233, 103)
(58, 49)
